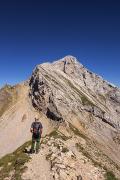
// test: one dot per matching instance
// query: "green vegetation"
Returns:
(14, 163)
(76, 131)
(65, 149)
(110, 176)
(86, 101)
(44, 141)
(86, 154)
(56, 134)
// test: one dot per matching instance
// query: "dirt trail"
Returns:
(38, 168)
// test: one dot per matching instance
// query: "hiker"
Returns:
(36, 130)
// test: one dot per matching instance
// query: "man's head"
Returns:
(36, 118)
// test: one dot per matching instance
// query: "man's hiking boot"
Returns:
(37, 151)
(32, 151)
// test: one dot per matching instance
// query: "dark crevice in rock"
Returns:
(53, 116)
(105, 121)
(115, 100)
(31, 81)
(99, 114)
(34, 105)
(35, 86)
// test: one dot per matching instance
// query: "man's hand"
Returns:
(40, 131)
(31, 130)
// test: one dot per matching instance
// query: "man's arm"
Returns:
(40, 131)
(41, 128)
(31, 129)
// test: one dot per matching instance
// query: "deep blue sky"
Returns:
(33, 31)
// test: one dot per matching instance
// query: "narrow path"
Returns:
(38, 168)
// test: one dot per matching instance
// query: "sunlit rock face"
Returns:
(65, 91)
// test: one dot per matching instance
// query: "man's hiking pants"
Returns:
(37, 140)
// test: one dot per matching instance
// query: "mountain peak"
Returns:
(70, 58)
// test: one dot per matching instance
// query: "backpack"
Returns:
(36, 129)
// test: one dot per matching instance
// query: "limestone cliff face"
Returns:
(65, 91)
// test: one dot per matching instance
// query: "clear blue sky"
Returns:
(35, 31)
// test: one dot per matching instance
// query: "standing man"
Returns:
(36, 130)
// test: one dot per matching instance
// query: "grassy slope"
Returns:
(14, 163)
(109, 175)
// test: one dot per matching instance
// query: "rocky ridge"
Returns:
(69, 157)
(67, 92)
(79, 108)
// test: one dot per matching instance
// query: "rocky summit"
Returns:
(80, 113)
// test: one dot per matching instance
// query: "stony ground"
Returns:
(60, 159)
(38, 167)
(62, 156)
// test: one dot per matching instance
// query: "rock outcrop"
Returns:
(66, 91)
(71, 157)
